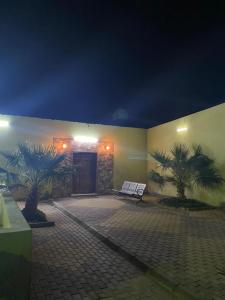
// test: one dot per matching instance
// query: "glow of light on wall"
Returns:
(4, 123)
(64, 146)
(85, 139)
(181, 129)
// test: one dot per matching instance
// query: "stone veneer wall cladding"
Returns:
(104, 173)
(104, 176)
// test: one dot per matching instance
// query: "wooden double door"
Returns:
(84, 179)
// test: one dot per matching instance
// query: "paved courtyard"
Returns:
(185, 249)
(70, 263)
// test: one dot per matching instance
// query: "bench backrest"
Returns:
(125, 186)
(140, 189)
(134, 187)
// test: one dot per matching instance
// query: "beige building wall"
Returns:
(130, 144)
(206, 128)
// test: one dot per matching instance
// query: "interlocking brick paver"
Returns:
(186, 249)
(70, 263)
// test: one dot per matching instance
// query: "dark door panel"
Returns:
(84, 180)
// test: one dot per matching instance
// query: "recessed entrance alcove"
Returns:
(93, 163)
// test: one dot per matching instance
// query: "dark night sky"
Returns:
(111, 62)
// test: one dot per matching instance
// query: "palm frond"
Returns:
(58, 173)
(198, 159)
(208, 178)
(180, 152)
(188, 169)
(30, 156)
(157, 178)
(162, 158)
(12, 158)
(197, 150)
(54, 161)
(34, 164)
(3, 171)
(171, 179)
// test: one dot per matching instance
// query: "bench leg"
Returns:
(140, 200)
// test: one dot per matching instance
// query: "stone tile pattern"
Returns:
(104, 173)
(185, 249)
(70, 263)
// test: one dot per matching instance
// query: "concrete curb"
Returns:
(178, 292)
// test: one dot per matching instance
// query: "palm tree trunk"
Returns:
(32, 202)
(181, 190)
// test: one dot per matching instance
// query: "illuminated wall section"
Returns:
(206, 128)
(130, 144)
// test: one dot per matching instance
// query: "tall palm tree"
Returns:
(32, 167)
(187, 168)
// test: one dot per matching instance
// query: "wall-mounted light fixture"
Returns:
(105, 147)
(85, 139)
(64, 146)
(180, 129)
(4, 123)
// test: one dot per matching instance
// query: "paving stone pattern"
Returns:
(187, 250)
(70, 263)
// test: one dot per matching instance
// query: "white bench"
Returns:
(133, 189)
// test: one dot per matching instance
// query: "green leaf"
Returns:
(187, 168)
(180, 153)
(33, 166)
(162, 158)
(208, 178)
(157, 178)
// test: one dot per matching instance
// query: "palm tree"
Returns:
(32, 167)
(188, 168)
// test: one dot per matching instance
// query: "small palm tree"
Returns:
(32, 167)
(187, 168)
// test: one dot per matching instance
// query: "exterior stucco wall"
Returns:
(206, 128)
(130, 144)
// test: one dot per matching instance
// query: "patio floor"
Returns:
(70, 263)
(185, 249)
